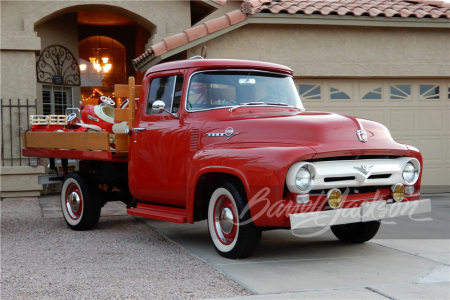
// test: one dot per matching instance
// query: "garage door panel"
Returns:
(448, 117)
(431, 174)
(432, 149)
(401, 121)
(435, 178)
(447, 148)
(374, 115)
(430, 121)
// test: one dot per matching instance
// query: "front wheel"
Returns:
(356, 232)
(80, 207)
(232, 232)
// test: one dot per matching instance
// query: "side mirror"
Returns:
(158, 107)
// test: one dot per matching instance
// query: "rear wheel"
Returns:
(356, 232)
(234, 235)
(80, 206)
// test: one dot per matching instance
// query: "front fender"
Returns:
(261, 168)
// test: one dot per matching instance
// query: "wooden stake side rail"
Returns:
(67, 140)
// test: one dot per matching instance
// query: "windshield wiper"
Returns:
(245, 104)
(253, 103)
(278, 103)
(261, 104)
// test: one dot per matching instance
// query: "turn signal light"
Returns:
(398, 192)
(334, 197)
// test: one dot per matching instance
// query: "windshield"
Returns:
(217, 89)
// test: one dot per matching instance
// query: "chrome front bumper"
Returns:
(369, 211)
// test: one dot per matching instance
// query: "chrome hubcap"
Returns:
(74, 204)
(74, 201)
(226, 220)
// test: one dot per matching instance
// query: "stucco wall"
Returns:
(61, 30)
(18, 75)
(339, 51)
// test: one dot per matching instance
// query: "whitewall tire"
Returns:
(233, 235)
(81, 209)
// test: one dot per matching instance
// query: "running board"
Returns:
(170, 214)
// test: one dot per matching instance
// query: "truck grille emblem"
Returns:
(362, 135)
(364, 169)
(229, 133)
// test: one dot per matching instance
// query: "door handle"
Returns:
(136, 130)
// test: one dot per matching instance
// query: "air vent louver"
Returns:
(195, 135)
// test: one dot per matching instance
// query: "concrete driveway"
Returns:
(409, 259)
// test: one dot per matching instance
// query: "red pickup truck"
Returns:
(229, 141)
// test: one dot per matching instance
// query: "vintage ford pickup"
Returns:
(229, 141)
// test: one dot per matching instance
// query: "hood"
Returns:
(321, 131)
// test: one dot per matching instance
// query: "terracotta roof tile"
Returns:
(302, 5)
(176, 41)
(420, 13)
(436, 13)
(196, 32)
(248, 6)
(326, 10)
(373, 8)
(293, 10)
(309, 10)
(236, 16)
(217, 24)
(277, 8)
(359, 11)
(342, 10)
(158, 49)
(334, 5)
(373, 12)
(389, 12)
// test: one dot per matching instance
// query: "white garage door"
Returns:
(415, 111)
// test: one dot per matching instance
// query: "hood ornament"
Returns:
(362, 135)
(229, 133)
(364, 169)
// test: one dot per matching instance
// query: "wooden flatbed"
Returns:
(86, 145)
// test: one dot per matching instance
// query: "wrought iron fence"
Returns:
(15, 118)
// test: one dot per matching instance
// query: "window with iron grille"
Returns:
(56, 99)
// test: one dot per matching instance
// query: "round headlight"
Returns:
(409, 173)
(303, 179)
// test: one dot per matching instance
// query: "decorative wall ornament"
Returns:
(57, 65)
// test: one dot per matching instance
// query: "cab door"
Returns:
(157, 172)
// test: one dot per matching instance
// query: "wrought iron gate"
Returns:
(15, 115)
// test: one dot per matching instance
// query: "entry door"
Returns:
(157, 171)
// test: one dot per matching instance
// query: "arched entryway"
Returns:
(103, 39)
